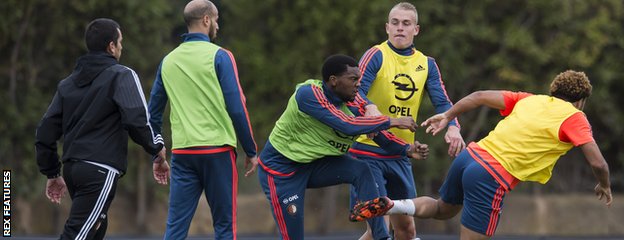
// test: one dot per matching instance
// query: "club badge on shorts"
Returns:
(291, 209)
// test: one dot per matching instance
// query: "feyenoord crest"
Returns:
(292, 209)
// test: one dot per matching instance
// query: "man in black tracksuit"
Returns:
(94, 110)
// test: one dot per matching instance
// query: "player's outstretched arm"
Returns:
(490, 98)
(436, 123)
(601, 171)
(312, 101)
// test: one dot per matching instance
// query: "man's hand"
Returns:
(161, 172)
(403, 123)
(55, 189)
(436, 123)
(604, 192)
(160, 167)
(250, 165)
(371, 111)
(418, 151)
(454, 138)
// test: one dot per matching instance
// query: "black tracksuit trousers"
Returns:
(92, 189)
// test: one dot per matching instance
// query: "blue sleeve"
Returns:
(369, 65)
(235, 102)
(391, 143)
(357, 108)
(436, 91)
(157, 102)
(385, 139)
(312, 101)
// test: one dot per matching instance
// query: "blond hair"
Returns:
(406, 6)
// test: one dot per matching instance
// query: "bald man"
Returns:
(208, 118)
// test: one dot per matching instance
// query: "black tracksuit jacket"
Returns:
(94, 110)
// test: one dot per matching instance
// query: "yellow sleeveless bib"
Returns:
(526, 142)
(398, 88)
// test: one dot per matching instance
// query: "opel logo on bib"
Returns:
(405, 87)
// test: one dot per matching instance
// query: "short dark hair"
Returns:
(100, 32)
(337, 65)
(571, 86)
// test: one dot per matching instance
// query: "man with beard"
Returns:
(94, 110)
(208, 117)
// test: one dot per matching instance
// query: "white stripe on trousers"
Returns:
(97, 209)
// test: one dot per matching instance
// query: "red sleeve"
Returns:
(511, 98)
(576, 130)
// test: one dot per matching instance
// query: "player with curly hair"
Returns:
(536, 131)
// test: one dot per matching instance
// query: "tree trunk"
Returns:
(326, 219)
(476, 126)
(12, 91)
(25, 217)
(141, 193)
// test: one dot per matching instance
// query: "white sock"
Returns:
(402, 207)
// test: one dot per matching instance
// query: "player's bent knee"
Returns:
(403, 226)
(404, 223)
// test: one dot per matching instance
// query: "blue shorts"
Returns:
(468, 183)
(284, 182)
(395, 180)
(394, 177)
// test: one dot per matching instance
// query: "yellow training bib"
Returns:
(398, 88)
